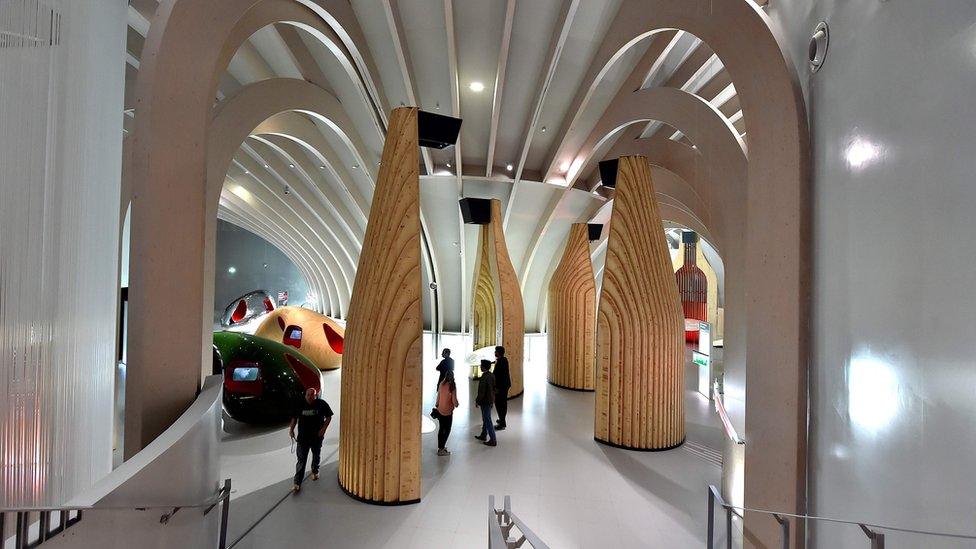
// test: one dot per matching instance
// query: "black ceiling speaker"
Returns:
(689, 237)
(595, 230)
(436, 130)
(608, 172)
(475, 211)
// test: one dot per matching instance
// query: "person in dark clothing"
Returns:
(312, 419)
(446, 365)
(503, 382)
(486, 397)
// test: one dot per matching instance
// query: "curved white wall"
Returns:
(893, 387)
(60, 166)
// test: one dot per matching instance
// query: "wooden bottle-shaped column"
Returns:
(572, 315)
(692, 287)
(496, 285)
(640, 326)
(379, 437)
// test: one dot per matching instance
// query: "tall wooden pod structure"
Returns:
(572, 315)
(497, 308)
(640, 325)
(379, 438)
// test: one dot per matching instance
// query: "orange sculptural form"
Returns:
(317, 336)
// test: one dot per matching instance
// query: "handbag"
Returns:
(434, 413)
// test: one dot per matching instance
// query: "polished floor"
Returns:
(571, 491)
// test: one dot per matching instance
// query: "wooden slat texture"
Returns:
(379, 437)
(502, 281)
(572, 315)
(640, 329)
(485, 323)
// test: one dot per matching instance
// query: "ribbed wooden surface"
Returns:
(512, 309)
(640, 329)
(485, 300)
(572, 315)
(379, 437)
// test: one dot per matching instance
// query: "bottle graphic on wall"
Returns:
(692, 287)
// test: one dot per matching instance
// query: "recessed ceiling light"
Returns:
(321, 167)
(543, 129)
(508, 167)
(291, 165)
(476, 87)
(355, 166)
(265, 166)
(448, 164)
(247, 172)
(231, 269)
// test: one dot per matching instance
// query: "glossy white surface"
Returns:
(567, 488)
(893, 387)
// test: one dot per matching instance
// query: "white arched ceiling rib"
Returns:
(314, 283)
(296, 217)
(301, 130)
(268, 199)
(719, 142)
(287, 172)
(235, 208)
(295, 207)
(333, 206)
(269, 225)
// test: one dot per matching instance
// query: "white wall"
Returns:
(60, 166)
(893, 386)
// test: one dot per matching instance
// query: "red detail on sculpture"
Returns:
(692, 287)
(268, 305)
(281, 323)
(240, 312)
(336, 341)
(293, 336)
(310, 379)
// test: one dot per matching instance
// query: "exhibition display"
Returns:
(640, 331)
(692, 287)
(497, 311)
(572, 314)
(318, 337)
(264, 380)
(247, 308)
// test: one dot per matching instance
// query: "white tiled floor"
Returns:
(570, 490)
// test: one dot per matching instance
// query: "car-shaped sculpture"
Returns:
(317, 336)
(264, 381)
(245, 312)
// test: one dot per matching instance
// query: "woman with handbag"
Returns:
(443, 412)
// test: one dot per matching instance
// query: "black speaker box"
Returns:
(689, 237)
(436, 130)
(475, 211)
(595, 230)
(608, 172)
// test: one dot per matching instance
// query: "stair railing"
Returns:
(875, 533)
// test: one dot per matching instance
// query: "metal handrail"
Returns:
(21, 533)
(723, 415)
(874, 532)
(500, 523)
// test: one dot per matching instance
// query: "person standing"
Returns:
(503, 382)
(313, 419)
(446, 365)
(446, 403)
(486, 397)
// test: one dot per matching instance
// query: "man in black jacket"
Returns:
(312, 420)
(446, 365)
(503, 382)
(484, 400)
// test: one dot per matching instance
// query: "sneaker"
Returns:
(491, 443)
(315, 476)
(482, 438)
(443, 452)
(296, 488)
